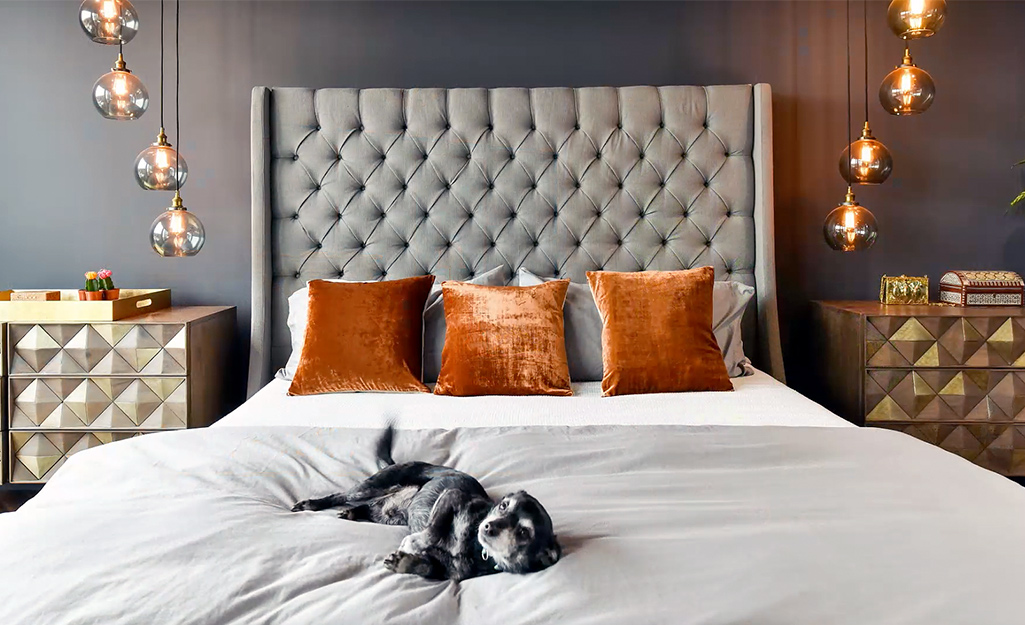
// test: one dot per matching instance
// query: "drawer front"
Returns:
(97, 349)
(945, 395)
(98, 403)
(998, 447)
(982, 342)
(35, 456)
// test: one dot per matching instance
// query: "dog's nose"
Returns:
(489, 530)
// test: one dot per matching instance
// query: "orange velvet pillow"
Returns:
(657, 332)
(363, 336)
(504, 340)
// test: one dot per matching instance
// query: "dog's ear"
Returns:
(551, 554)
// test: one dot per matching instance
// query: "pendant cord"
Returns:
(864, 18)
(177, 88)
(161, 65)
(850, 171)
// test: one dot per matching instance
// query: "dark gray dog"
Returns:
(457, 531)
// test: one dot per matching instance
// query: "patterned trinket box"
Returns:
(903, 290)
(982, 288)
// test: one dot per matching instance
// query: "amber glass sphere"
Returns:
(160, 168)
(177, 232)
(850, 227)
(866, 161)
(915, 19)
(119, 94)
(110, 22)
(907, 90)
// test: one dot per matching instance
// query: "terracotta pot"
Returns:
(112, 294)
(81, 295)
(93, 296)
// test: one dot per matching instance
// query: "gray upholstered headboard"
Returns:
(390, 183)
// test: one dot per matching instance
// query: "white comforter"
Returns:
(685, 523)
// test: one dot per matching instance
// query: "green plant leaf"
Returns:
(1021, 196)
(1022, 162)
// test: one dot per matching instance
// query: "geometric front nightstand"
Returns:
(72, 386)
(951, 376)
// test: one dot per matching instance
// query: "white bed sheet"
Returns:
(758, 399)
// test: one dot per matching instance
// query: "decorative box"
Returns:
(982, 288)
(904, 290)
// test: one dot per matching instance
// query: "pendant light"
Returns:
(908, 89)
(177, 232)
(916, 19)
(110, 22)
(159, 167)
(850, 226)
(866, 161)
(119, 94)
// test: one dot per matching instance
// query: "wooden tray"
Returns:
(132, 302)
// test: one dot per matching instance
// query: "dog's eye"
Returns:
(521, 532)
(503, 505)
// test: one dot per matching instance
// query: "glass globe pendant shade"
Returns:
(110, 22)
(160, 168)
(850, 227)
(177, 232)
(907, 90)
(866, 161)
(916, 19)
(119, 94)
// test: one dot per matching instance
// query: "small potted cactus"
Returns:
(107, 284)
(92, 291)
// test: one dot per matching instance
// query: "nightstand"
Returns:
(72, 386)
(951, 376)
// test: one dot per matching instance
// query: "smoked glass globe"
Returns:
(866, 161)
(160, 168)
(110, 22)
(177, 232)
(119, 94)
(907, 90)
(850, 227)
(916, 19)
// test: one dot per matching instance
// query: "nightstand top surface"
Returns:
(876, 309)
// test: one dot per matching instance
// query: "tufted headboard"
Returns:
(371, 184)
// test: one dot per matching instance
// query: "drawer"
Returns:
(35, 456)
(100, 403)
(1000, 448)
(944, 395)
(97, 349)
(988, 341)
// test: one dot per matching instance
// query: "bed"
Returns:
(755, 506)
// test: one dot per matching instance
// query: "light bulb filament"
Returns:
(162, 159)
(109, 10)
(850, 226)
(176, 225)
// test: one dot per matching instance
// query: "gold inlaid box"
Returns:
(76, 385)
(904, 290)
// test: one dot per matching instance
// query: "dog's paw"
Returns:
(392, 561)
(302, 506)
(349, 514)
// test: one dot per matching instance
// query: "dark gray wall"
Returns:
(68, 201)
